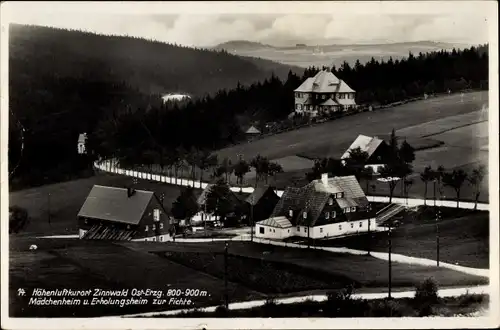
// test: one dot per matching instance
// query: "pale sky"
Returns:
(207, 24)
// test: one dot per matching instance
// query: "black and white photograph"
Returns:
(249, 165)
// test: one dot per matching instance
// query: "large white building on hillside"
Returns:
(327, 207)
(324, 93)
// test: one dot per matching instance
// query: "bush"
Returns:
(339, 303)
(386, 308)
(426, 296)
(221, 311)
(427, 292)
(18, 219)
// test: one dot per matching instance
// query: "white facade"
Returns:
(317, 232)
(157, 238)
(263, 231)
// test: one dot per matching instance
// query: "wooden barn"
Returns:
(111, 213)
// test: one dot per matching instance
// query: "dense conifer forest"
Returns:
(63, 83)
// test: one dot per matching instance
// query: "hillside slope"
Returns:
(62, 83)
(151, 67)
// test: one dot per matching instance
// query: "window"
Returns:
(347, 210)
(161, 225)
(146, 228)
(323, 97)
(339, 195)
(128, 227)
(299, 106)
(327, 215)
(288, 230)
(290, 213)
(330, 201)
(334, 214)
(304, 215)
(352, 225)
(161, 238)
(154, 227)
(321, 230)
(360, 224)
(86, 221)
(305, 230)
(156, 214)
(298, 228)
(353, 209)
(154, 239)
(261, 230)
(340, 227)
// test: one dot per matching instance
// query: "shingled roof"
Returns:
(324, 82)
(257, 194)
(114, 204)
(231, 196)
(366, 143)
(313, 197)
(278, 222)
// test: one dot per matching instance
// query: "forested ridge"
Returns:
(55, 98)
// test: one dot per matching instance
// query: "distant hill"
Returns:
(241, 45)
(150, 66)
(305, 55)
(62, 83)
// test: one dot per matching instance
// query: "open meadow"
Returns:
(66, 198)
(463, 237)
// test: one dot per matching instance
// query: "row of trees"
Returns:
(120, 119)
(398, 169)
(454, 179)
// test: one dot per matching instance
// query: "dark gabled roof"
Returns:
(113, 204)
(230, 195)
(257, 194)
(313, 197)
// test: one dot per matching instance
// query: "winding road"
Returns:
(108, 166)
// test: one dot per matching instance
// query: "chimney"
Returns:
(130, 192)
(324, 179)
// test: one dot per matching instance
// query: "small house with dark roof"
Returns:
(323, 208)
(377, 150)
(82, 140)
(112, 213)
(237, 205)
(262, 202)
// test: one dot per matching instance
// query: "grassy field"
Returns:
(435, 127)
(78, 265)
(363, 271)
(445, 307)
(406, 307)
(463, 237)
(67, 198)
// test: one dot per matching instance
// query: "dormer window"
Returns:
(334, 214)
(146, 228)
(327, 215)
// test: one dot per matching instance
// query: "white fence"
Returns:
(111, 167)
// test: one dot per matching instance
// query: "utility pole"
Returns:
(251, 219)
(226, 297)
(308, 227)
(390, 262)
(48, 207)
(369, 233)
